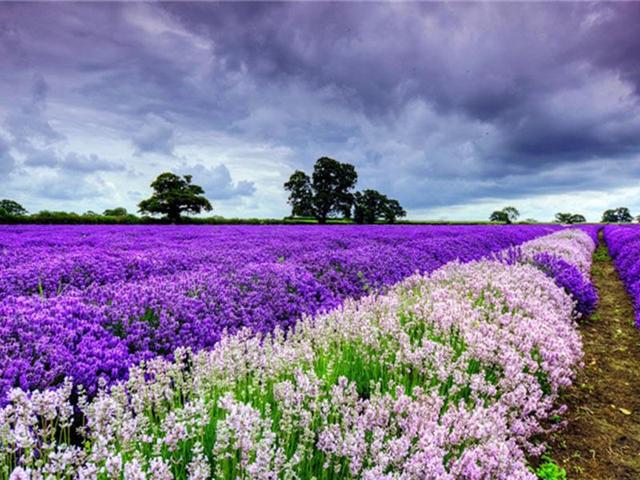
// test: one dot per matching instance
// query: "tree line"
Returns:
(326, 196)
(329, 193)
(510, 214)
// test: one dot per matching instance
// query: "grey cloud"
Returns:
(7, 162)
(70, 162)
(217, 182)
(35, 157)
(154, 135)
(28, 123)
(88, 164)
(67, 187)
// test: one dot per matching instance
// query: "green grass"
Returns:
(549, 470)
(601, 254)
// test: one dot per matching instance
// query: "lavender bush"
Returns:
(571, 280)
(624, 246)
(566, 257)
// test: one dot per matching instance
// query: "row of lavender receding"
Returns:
(89, 302)
(450, 376)
(623, 242)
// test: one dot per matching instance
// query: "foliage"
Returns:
(549, 470)
(332, 184)
(369, 206)
(174, 195)
(506, 215)
(393, 210)
(499, 216)
(115, 212)
(329, 192)
(11, 208)
(617, 215)
(570, 218)
(601, 254)
(300, 194)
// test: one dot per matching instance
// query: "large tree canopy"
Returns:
(116, 212)
(369, 206)
(174, 195)
(570, 218)
(329, 191)
(333, 183)
(617, 215)
(11, 208)
(506, 215)
(300, 194)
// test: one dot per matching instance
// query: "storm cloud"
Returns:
(461, 105)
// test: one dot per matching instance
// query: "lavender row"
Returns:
(52, 260)
(451, 375)
(266, 278)
(623, 242)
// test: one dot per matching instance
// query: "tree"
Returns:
(174, 195)
(624, 216)
(570, 218)
(393, 211)
(329, 191)
(512, 213)
(370, 205)
(332, 184)
(499, 216)
(10, 208)
(506, 215)
(617, 215)
(300, 196)
(115, 212)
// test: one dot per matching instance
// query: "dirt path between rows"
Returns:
(602, 438)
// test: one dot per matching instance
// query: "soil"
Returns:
(602, 438)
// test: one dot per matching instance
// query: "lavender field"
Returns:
(89, 302)
(286, 352)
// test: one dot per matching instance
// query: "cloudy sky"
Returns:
(455, 109)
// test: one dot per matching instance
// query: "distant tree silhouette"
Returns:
(332, 184)
(393, 211)
(174, 195)
(369, 206)
(570, 218)
(327, 192)
(11, 208)
(116, 212)
(506, 215)
(301, 195)
(617, 215)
